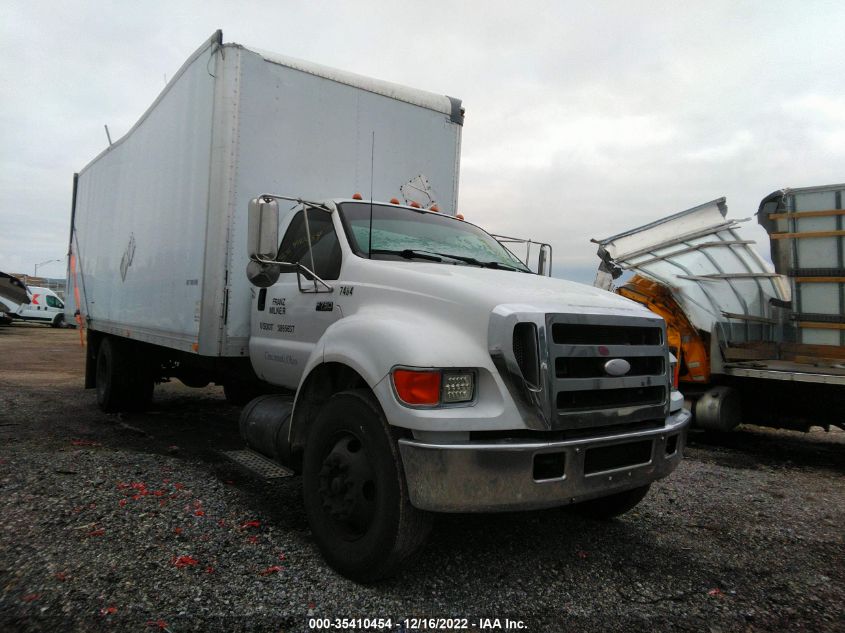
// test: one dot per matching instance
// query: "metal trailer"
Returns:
(805, 228)
(746, 352)
(159, 217)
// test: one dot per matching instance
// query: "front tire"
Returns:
(58, 321)
(355, 493)
(612, 506)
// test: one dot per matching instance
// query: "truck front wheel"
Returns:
(355, 493)
(124, 382)
(612, 505)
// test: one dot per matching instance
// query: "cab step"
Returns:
(258, 465)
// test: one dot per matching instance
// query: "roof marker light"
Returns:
(460, 216)
(434, 208)
(394, 201)
(415, 204)
(357, 196)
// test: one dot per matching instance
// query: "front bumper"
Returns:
(500, 476)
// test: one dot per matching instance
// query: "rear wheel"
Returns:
(612, 505)
(355, 493)
(124, 381)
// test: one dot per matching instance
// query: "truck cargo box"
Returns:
(159, 218)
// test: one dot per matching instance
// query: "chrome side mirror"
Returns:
(262, 275)
(263, 228)
(264, 272)
(263, 243)
(544, 261)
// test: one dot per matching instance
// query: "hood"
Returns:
(483, 289)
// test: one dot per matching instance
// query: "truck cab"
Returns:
(434, 372)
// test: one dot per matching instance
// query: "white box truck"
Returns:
(418, 365)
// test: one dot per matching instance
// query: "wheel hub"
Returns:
(347, 486)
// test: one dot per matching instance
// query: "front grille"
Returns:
(593, 367)
(609, 398)
(593, 334)
(584, 392)
(526, 353)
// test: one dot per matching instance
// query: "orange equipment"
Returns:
(687, 344)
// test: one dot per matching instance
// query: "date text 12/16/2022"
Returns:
(409, 625)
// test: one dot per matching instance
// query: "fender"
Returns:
(403, 337)
(402, 340)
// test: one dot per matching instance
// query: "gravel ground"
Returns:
(138, 523)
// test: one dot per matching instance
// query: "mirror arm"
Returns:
(260, 260)
(287, 267)
(299, 269)
(307, 203)
(314, 278)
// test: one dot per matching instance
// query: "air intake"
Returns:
(525, 350)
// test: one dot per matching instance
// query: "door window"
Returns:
(324, 244)
(53, 302)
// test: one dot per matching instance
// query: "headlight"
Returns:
(458, 387)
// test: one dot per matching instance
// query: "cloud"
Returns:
(582, 119)
(739, 143)
(830, 108)
(545, 136)
(822, 117)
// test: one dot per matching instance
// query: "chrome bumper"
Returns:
(500, 476)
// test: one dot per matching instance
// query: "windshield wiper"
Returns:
(478, 262)
(408, 253)
(413, 253)
(502, 266)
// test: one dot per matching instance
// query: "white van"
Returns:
(45, 306)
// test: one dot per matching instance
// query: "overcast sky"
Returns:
(583, 118)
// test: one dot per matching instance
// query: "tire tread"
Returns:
(131, 381)
(413, 525)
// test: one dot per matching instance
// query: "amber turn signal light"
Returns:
(417, 387)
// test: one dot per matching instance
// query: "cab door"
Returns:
(288, 320)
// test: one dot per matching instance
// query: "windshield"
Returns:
(407, 234)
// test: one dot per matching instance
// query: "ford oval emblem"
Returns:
(617, 367)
